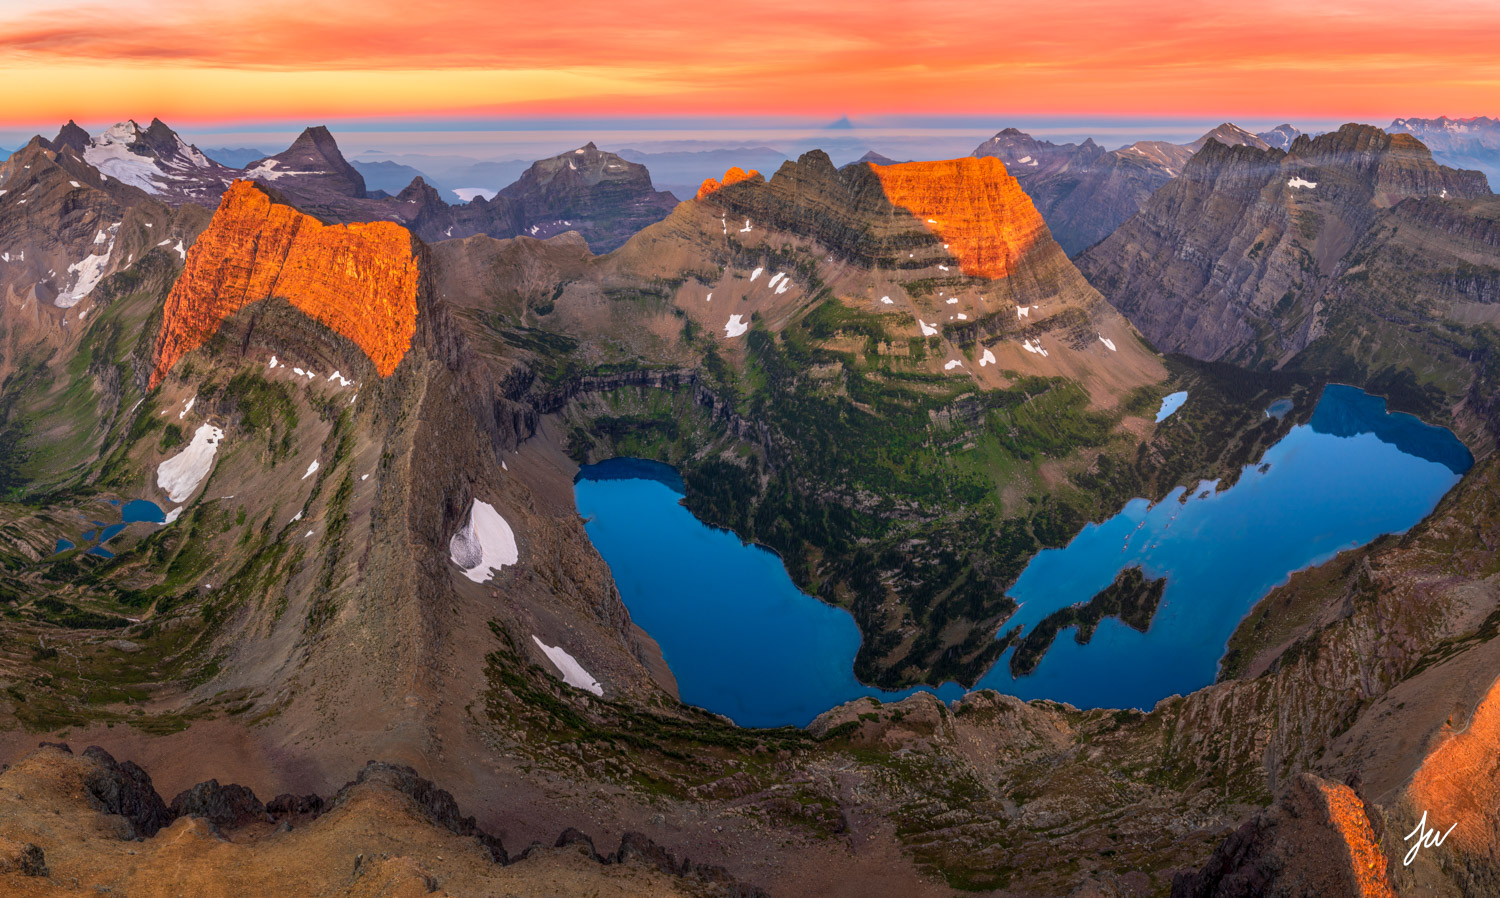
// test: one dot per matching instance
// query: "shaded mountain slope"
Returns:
(1083, 192)
(1255, 256)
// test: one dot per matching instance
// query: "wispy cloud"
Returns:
(364, 56)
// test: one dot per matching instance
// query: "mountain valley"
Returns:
(361, 416)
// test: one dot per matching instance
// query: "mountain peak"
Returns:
(71, 136)
(315, 160)
(1230, 134)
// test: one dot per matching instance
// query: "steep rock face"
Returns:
(980, 212)
(1230, 260)
(1085, 193)
(602, 196)
(359, 279)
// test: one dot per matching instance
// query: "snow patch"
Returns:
(951, 364)
(756, 273)
(1107, 342)
(173, 515)
(572, 672)
(887, 300)
(1034, 346)
(311, 469)
(1300, 183)
(180, 475)
(1023, 312)
(987, 359)
(343, 381)
(928, 330)
(485, 545)
(735, 326)
(186, 407)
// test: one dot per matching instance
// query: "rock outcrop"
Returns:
(733, 176)
(360, 279)
(228, 806)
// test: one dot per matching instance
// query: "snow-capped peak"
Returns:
(151, 159)
(126, 132)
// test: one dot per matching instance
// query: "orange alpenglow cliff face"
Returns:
(974, 205)
(1458, 783)
(734, 176)
(1367, 862)
(358, 279)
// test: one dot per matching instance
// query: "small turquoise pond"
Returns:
(1170, 403)
(62, 546)
(743, 641)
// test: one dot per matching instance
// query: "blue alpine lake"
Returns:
(1170, 403)
(136, 510)
(743, 641)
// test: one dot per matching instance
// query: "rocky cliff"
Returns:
(979, 212)
(1233, 259)
(360, 279)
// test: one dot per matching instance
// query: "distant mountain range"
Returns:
(602, 196)
(1085, 192)
(1460, 142)
(682, 171)
(235, 157)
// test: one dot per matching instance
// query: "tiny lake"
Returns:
(134, 511)
(743, 641)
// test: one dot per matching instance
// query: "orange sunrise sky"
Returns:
(195, 62)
